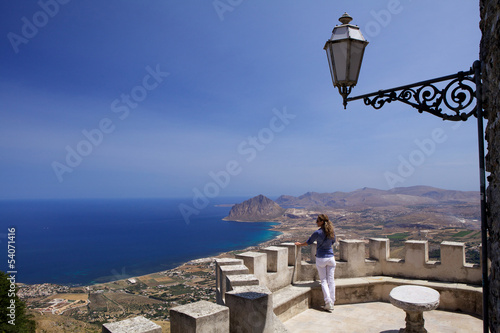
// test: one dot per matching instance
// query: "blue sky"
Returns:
(165, 98)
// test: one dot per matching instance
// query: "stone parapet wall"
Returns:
(247, 309)
(277, 267)
(199, 317)
(352, 262)
(275, 284)
(270, 266)
(416, 264)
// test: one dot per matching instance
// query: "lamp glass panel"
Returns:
(340, 32)
(339, 51)
(356, 34)
(357, 50)
(330, 62)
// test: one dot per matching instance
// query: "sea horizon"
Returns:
(89, 241)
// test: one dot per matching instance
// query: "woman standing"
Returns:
(325, 261)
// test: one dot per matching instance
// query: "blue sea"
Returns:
(82, 242)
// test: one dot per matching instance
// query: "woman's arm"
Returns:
(311, 239)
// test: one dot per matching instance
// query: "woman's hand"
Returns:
(300, 244)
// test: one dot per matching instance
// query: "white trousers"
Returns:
(326, 271)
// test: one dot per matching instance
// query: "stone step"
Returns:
(290, 301)
(240, 280)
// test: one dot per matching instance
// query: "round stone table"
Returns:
(414, 300)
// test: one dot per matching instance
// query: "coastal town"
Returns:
(150, 296)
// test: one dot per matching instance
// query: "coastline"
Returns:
(77, 255)
(158, 291)
(278, 226)
(228, 254)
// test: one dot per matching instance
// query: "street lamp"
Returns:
(453, 102)
(345, 53)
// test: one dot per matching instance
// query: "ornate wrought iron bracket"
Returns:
(457, 98)
(452, 102)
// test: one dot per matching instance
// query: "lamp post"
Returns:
(454, 102)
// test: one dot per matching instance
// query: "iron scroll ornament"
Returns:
(457, 96)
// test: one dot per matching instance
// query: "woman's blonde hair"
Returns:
(327, 226)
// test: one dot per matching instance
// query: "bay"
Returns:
(83, 242)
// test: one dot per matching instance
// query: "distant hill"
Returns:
(256, 209)
(369, 197)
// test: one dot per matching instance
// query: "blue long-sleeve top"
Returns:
(324, 244)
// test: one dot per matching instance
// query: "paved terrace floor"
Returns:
(378, 317)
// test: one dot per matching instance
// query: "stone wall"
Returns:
(490, 57)
(277, 267)
(352, 262)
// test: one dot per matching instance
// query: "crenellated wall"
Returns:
(279, 266)
(352, 262)
(416, 264)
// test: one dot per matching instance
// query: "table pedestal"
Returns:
(414, 300)
(414, 322)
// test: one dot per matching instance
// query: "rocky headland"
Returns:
(256, 209)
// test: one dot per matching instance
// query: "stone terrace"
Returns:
(376, 317)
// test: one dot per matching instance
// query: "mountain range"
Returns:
(370, 197)
(415, 198)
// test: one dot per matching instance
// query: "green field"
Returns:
(399, 236)
(462, 233)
